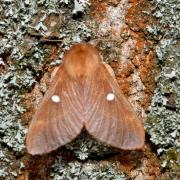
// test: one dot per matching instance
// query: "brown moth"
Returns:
(84, 94)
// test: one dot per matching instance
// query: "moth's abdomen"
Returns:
(82, 60)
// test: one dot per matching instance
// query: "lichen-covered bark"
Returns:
(138, 38)
(163, 118)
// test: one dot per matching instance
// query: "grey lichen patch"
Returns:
(164, 119)
(165, 107)
(90, 170)
(46, 24)
(167, 29)
(55, 23)
(80, 6)
(22, 61)
(74, 32)
(85, 146)
(77, 6)
(9, 164)
(167, 12)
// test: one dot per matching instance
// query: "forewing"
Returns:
(56, 123)
(112, 121)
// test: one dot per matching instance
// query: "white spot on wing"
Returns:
(55, 98)
(110, 97)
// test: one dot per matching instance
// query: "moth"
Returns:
(84, 94)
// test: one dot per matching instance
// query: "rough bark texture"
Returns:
(138, 38)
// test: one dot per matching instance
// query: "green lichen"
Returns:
(170, 162)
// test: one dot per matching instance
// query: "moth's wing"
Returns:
(113, 122)
(56, 123)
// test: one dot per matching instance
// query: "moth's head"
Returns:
(82, 60)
